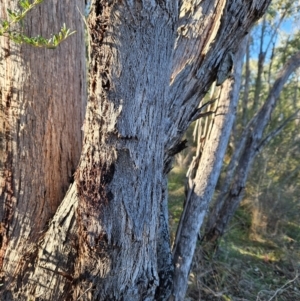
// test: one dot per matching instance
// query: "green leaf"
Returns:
(25, 4)
(11, 14)
(17, 37)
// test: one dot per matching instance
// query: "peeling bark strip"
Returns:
(214, 27)
(202, 186)
(193, 73)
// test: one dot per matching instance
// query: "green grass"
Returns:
(246, 267)
(176, 197)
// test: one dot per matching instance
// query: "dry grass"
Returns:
(247, 270)
(258, 259)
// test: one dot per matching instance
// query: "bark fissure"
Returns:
(117, 231)
(109, 238)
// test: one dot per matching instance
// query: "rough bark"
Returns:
(119, 181)
(42, 96)
(120, 177)
(203, 185)
(103, 242)
(207, 32)
(251, 143)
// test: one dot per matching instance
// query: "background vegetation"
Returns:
(258, 258)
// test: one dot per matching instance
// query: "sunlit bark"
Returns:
(207, 171)
(104, 240)
(250, 145)
(43, 98)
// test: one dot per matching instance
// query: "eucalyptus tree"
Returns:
(151, 62)
(43, 98)
(252, 142)
(256, 134)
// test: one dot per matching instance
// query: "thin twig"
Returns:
(84, 292)
(281, 288)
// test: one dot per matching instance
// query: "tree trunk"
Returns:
(260, 68)
(104, 240)
(43, 96)
(116, 196)
(120, 177)
(207, 32)
(201, 188)
(246, 86)
(251, 143)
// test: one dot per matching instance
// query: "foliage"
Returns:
(258, 258)
(246, 270)
(10, 28)
(245, 267)
(176, 196)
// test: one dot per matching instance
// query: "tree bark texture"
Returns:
(120, 177)
(207, 32)
(202, 187)
(43, 97)
(119, 181)
(251, 143)
(150, 66)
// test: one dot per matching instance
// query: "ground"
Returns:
(260, 267)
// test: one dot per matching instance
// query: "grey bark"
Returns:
(119, 180)
(246, 86)
(203, 185)
(203, 41)
(251, 143)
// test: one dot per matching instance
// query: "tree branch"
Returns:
(275, 132)
(207, 32)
